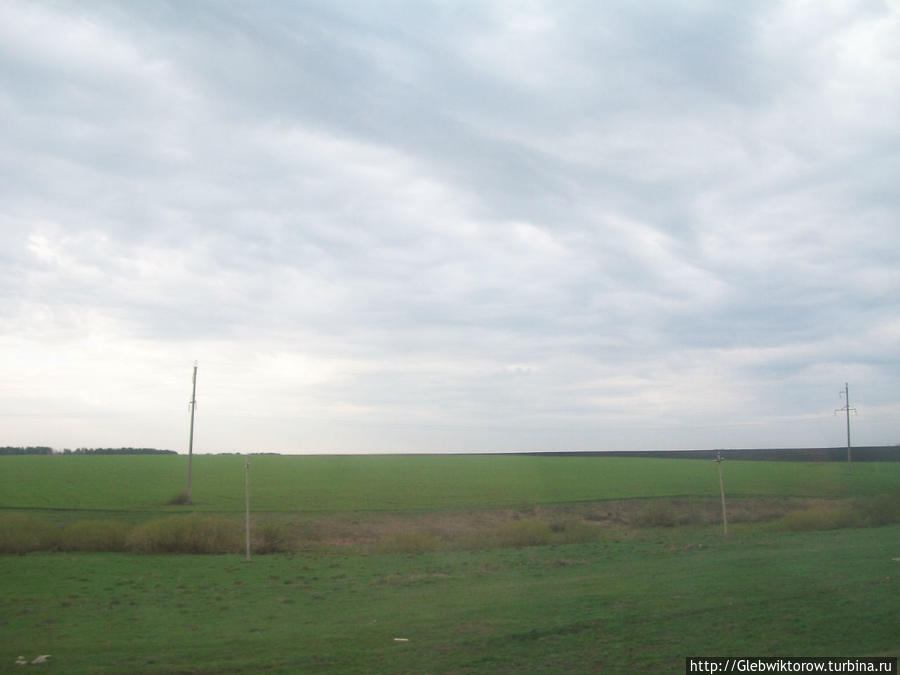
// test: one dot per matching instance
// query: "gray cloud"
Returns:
(470, 226)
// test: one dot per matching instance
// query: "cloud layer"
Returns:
(423, 227)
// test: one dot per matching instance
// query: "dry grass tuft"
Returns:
(404, 532)
(20, 533)
(94, 535)
(187, 534)
(821, 517)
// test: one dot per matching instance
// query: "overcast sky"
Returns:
(407, 226)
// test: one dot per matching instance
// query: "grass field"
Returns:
(639, 606)
(404, 482)
(483, 563)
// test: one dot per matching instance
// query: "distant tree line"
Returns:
(118, 451)
(30, 450)
(43, 450)
(863, 453)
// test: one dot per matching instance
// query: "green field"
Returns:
(409, 482)
(620, 607)
(484, 564)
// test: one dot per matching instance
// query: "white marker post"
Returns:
(722, 492)
(247, 504)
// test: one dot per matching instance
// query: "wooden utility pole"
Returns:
(847, 409)
(247, 504)
(722, 492)
(193, 406)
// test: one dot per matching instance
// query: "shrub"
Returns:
(187, 534)
(94, 535)
(524, 533)
(20, 533)
(181, 499)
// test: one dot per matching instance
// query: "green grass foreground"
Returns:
(637, 606)
(409, 482)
